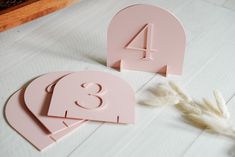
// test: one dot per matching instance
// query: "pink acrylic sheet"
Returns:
(146, 38)
(21, 119)
(93, 95)
(37, 99)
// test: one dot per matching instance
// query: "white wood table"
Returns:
(75, 39)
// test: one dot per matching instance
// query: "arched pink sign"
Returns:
(93, 95)
(146, 38)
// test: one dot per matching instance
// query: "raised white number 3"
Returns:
(143, 42)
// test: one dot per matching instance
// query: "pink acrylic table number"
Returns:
(93, 95)
(146, 38)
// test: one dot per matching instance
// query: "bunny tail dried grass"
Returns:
(186, 108)
(162, 101)
(179, 91)
(213, 108)
(194, 120)
(163, 95)
(204, 114)
(207, 115)
(221, 104)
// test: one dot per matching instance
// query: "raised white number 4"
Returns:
(142, 41)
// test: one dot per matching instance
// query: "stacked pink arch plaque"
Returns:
(55, 104)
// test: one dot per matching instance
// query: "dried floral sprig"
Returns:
(163, 96)
(214, 117)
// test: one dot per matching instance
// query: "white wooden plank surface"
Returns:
(75, 39)
(230, 4)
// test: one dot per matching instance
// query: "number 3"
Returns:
(97, 94)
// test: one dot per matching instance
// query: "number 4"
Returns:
(142, 41)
